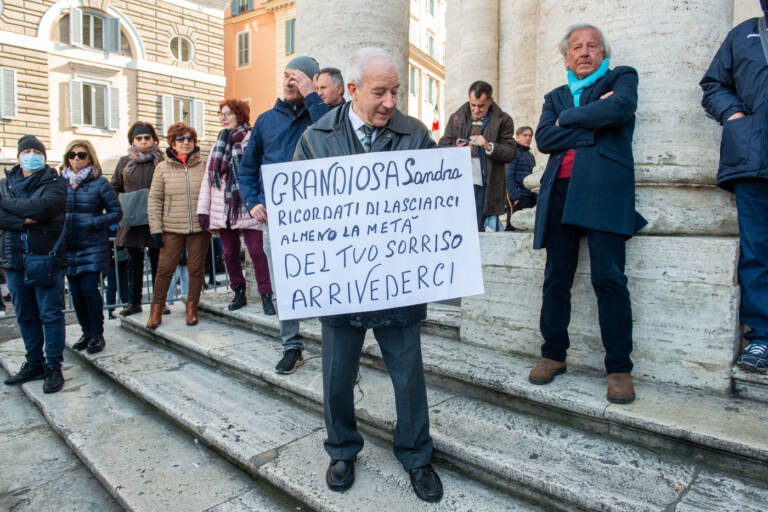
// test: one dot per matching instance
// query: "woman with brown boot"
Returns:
(172, 208)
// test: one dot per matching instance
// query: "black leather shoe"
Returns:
(26, 373)
(340, 475)
(267, 305)
(426, 484)
(54, 380)
(97, 344)
(83, 342)
(240, 299)
(130, 309)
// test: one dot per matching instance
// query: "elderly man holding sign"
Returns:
(371, 123)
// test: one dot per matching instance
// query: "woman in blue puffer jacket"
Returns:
(92, 207)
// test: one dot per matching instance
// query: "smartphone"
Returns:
(463, 140)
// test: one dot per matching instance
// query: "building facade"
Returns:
(89, 69)
(260, 38)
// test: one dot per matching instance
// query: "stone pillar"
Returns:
(518, 61)
(331, 31)
(472, 48)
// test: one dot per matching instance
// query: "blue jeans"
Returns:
(86, 297)
(752, 204)
(479, 207)
(180, 275)
(40, 315)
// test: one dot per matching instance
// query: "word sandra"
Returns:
(374, 287)
(338, 180)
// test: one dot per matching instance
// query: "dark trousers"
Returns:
(86, 297)
(118, 273)
(136, 270)
(752, 205)
(401, 348)
(606, 255)
(479, 206)
(522, 203)
(254, 242)
(40, 315)
(173, 244)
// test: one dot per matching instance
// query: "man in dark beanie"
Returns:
(273, 140)
(33, 200)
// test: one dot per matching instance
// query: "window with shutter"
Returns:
(167, 105)
(290, 27)
(243, 48)
(112, 35)
(75, 26)
(8, 93)
(75, 102)
(198, 118)
(113, 122)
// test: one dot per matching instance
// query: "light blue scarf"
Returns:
(579, 86)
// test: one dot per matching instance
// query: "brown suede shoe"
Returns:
(191, 313)
(620, 388)
(155, 316)
(545, 371)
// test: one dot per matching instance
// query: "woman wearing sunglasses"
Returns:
(92, 207)
(131, 181)
(221, 209)
(172, 208)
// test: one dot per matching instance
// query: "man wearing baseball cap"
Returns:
(273, 140)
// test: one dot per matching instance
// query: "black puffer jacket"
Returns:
(332, 135)
(88, 224)
(517, 170)
(46, 204)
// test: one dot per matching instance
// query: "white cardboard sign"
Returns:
(372, 231)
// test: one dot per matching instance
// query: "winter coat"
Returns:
(517, 170)
(500, 130)
(601, 191)
(737, 81)
(211, 202)
(333, 135)
(46, 203)
(122, 181)
(172, 203)
(273, 141)
(92, 208)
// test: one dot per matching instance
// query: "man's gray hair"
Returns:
(359, 60)
(335, 76)
(606, 46)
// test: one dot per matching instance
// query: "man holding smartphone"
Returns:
(490, 133)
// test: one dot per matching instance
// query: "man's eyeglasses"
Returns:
(81, 155)
(182, 138)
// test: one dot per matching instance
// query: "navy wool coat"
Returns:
(91, 209)
(601, 192)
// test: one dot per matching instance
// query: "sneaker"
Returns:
(755, 357)
(54, 380)
(26, 373)
(290, 362)
(83, 342)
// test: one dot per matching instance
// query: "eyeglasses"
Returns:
(81, 155)
(226, 114)
(142, 138)
(182, 138)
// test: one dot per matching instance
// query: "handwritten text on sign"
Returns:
(372, 231)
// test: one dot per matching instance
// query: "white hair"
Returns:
(604, 44)
(359, 61)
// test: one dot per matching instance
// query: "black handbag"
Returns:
(39, 268)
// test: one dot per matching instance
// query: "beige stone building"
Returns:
(426, 63)
(89, 69)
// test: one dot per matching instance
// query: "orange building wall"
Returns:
(255, 82)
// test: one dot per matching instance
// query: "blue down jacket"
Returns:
(88, 224)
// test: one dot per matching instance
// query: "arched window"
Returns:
(92, 29)
(182, 49)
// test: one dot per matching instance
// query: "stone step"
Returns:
(267, 435)
(726, 432)
(750, 384)
(144, 462)
(39, 472)
(516, 450)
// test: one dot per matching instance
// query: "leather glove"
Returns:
(204, 220)
(158, 239)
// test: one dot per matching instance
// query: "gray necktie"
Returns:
(368, 131)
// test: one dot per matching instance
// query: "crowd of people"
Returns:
(168, 203)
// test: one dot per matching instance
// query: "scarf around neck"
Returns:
(579, 86)
(223, 163)
(137, 156)
(76, 178)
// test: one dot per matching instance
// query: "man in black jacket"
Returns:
(519, 197)
(370, 123)
(736, 96)
(33, 200)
